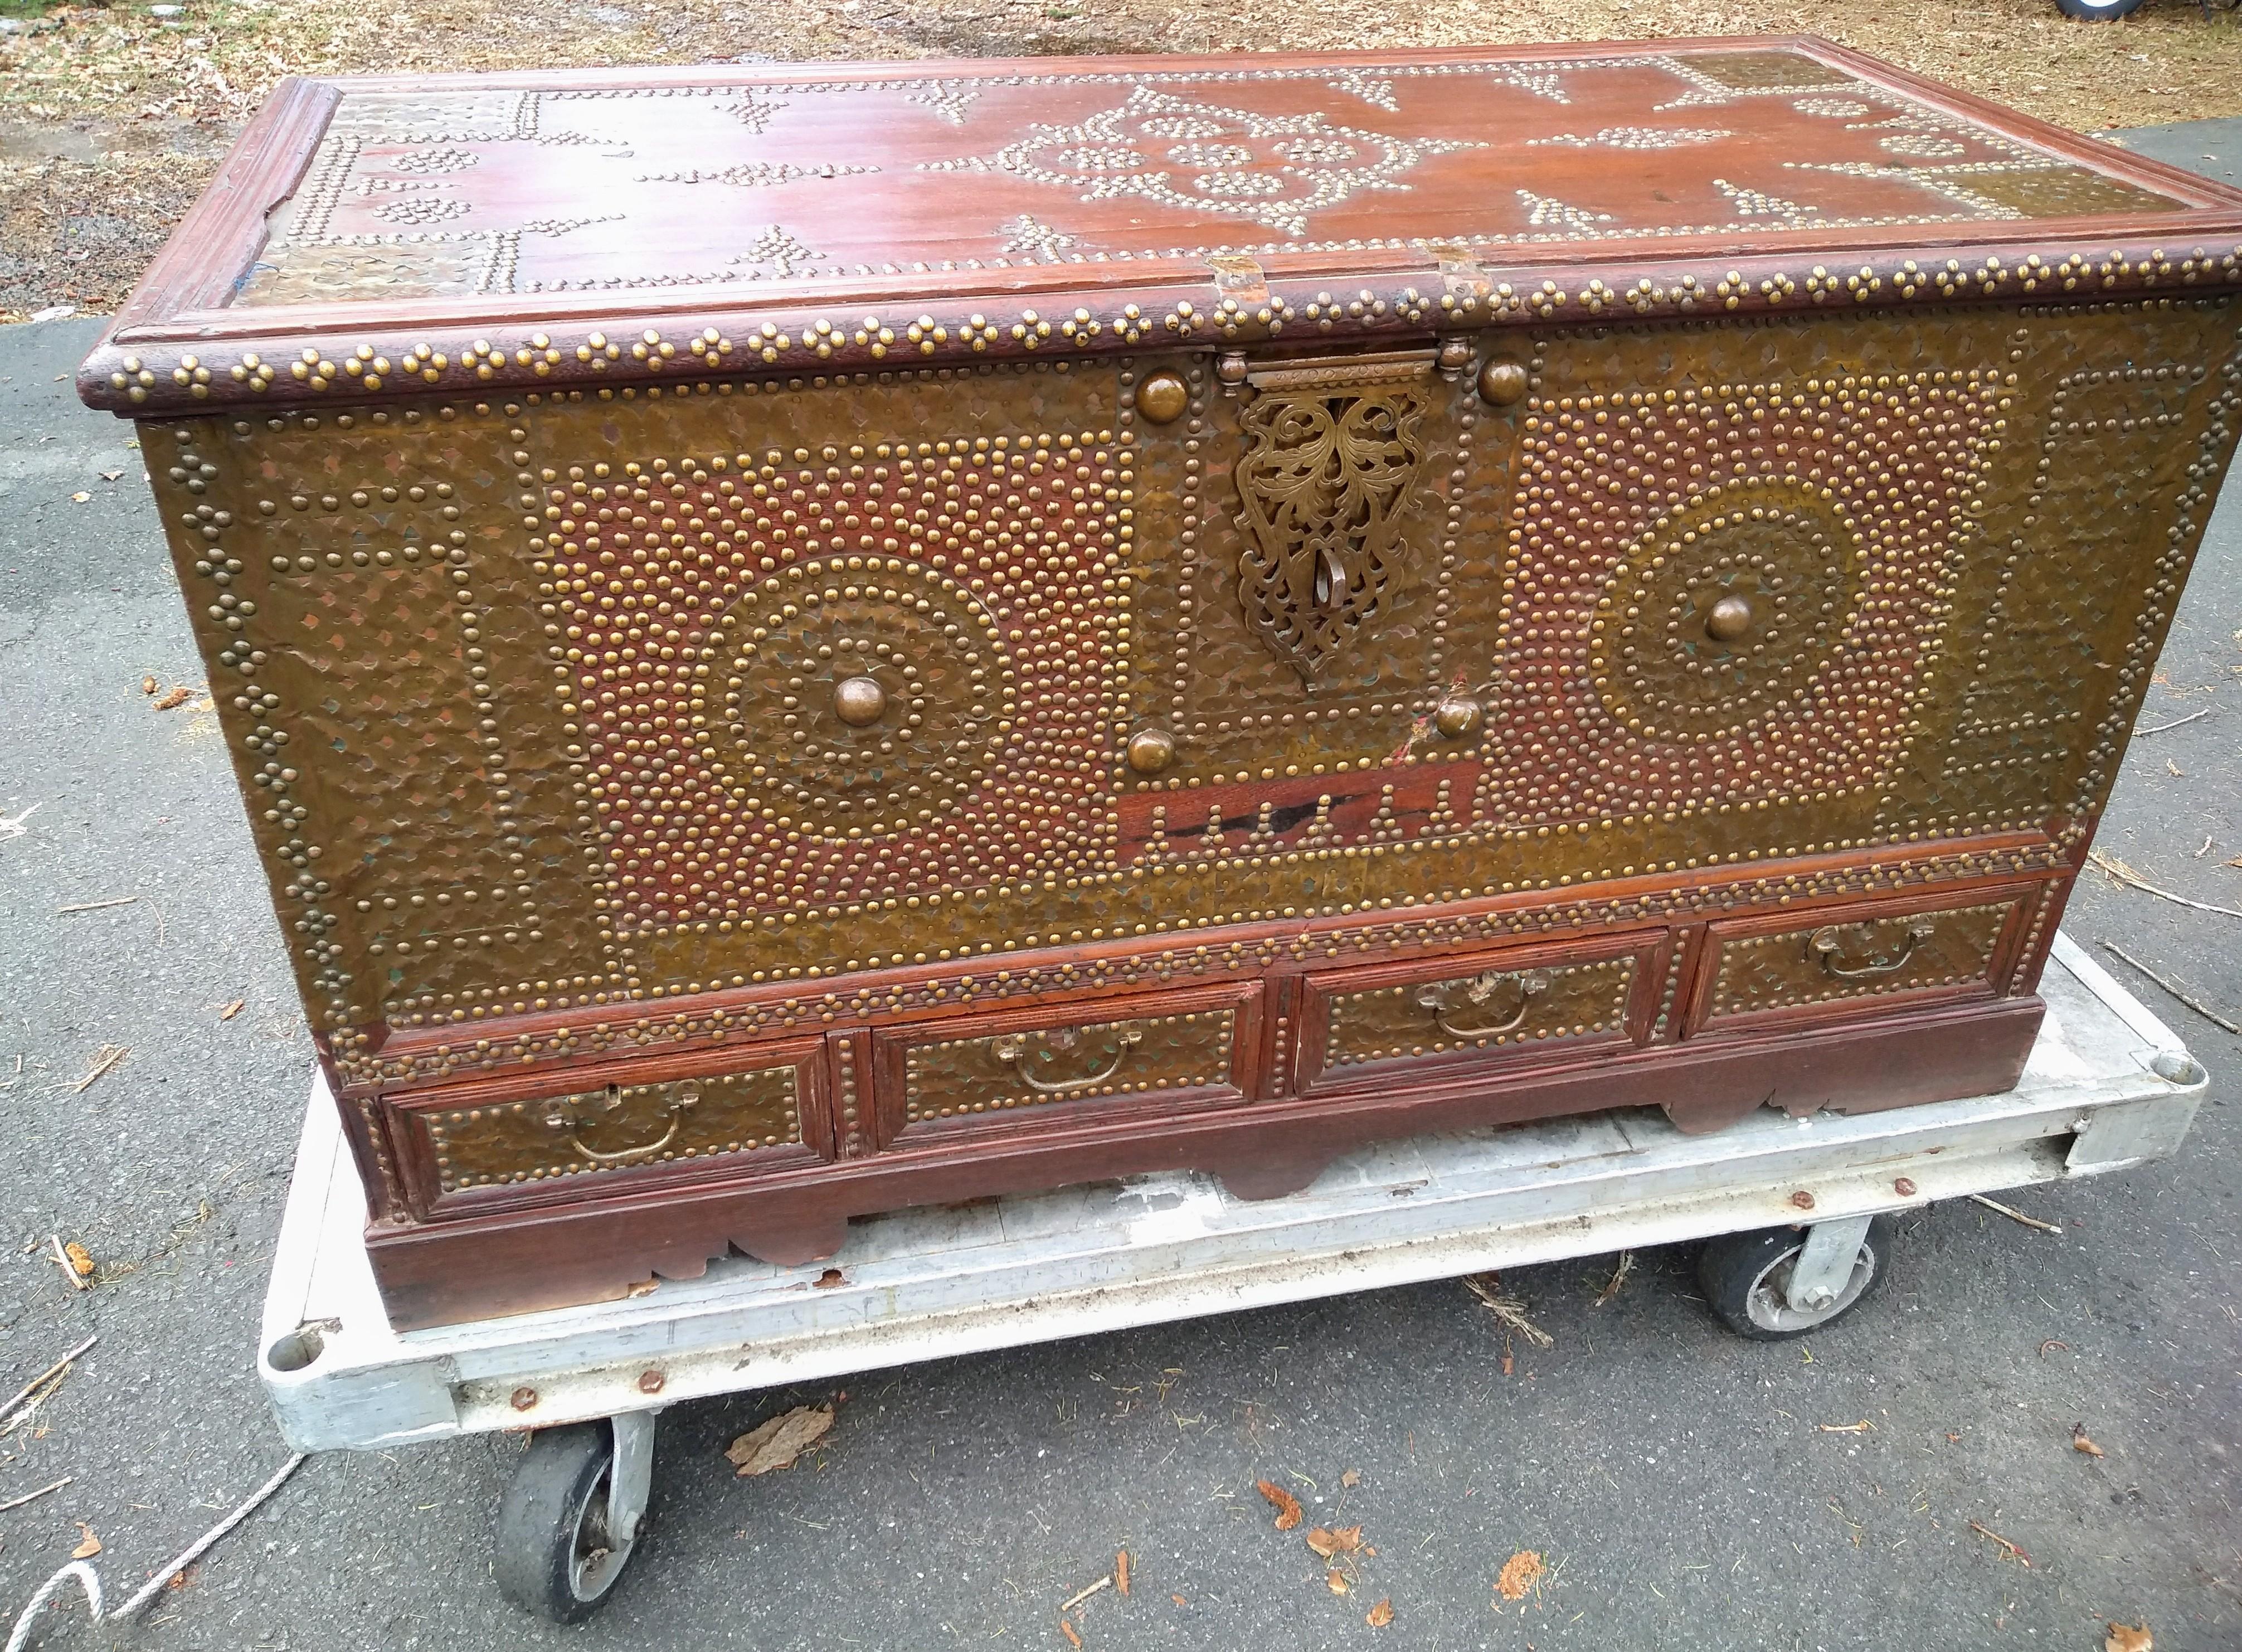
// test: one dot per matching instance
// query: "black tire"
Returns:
(553, 1556)
(2097, 10)
(1743, 1276)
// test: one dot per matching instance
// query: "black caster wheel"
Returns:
(1747, 1277)
(558, 1552)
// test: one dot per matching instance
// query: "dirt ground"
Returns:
(112, 118)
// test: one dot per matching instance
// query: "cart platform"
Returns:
(2108, 1086)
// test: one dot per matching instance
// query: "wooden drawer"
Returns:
(1808, 967)
(1461, 1011)
(720, 1115)
(1050, 1063)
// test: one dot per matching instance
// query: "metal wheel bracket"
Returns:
(1825, 1263)
(630, 1479)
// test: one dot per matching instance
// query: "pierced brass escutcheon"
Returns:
(1441, 1000)
(1827, 941)
(1011, 1050)
(1161, 398)
(571, 1116)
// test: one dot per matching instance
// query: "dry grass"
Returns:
(111, 120)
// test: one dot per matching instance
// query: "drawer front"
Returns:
(1754, 969)
(1049, 1064)
(700, 1123)
(1356, 1024)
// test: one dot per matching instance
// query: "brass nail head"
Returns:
(1150, 750)
(1162, 399)
(859, 701)
(1502, 381)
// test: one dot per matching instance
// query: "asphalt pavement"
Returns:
(1676, 1478)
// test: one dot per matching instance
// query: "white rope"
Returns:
(90, 1581)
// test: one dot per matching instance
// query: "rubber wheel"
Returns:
(1744, 1275)
(2096, 10)
(553, 1556)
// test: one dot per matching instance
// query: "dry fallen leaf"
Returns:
(80, 499)
(1346, 1540)
(231, 1009)
(1350, 1479)
(1067, 1630)
(81, 1261)
(1286, 1505)
(110, 475)
(1179, 1600)
(1121, 1571)
(1335, 1583)
(2129, 1637)
(1380, 1615)
(1520, 1573)
(88, 1544)
(777, 1443)
(2081, 1444)
(148, 685)
(176, 697)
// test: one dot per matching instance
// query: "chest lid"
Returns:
(394, 236)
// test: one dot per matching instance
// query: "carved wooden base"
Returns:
(442, 1272)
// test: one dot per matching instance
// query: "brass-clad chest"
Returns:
(821, 708)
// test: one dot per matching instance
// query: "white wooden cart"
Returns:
(1789, 1208)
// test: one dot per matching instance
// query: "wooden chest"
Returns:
(804, 640)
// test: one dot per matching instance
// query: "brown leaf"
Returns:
(80, 499)
(777, 1443)
(2129, 1637)
(1380, 1615)
(88, 1544)
(1336, 1582)
(1121, 1571)
(1179, 1600)
(176, 697)
(231, 1009)
(1520, 1573)
(81, 1261)
(148, 685)
(1344, 1541)
(1286, 1505)
(1350, 1479)
(1068, 1630)
(2081, 1444)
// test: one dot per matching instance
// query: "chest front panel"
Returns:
(567, 702)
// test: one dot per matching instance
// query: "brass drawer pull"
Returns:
(1530, 985)
(569, 1115)
(1012, 1049)
(1825, 941)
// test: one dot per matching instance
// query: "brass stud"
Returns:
(1455, 355)
(859, 701)
(1150, 750)
(1729, 619)
(1502, 381)
(1162, 399)
(1457, 716)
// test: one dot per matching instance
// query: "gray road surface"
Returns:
(1674, 1476)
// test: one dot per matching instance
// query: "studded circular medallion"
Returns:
(856, 701)
(1723, 612)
